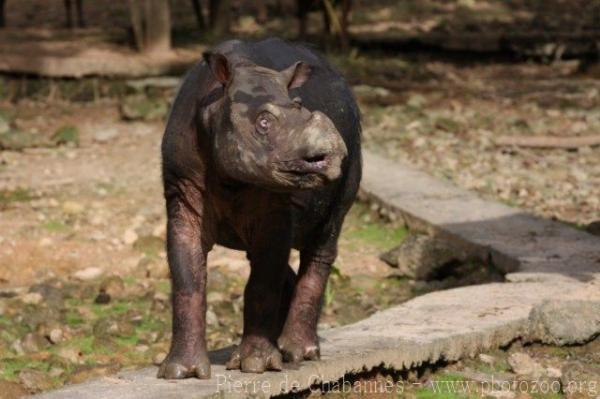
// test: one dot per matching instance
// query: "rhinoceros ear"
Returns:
(219, 66)
(296, 74)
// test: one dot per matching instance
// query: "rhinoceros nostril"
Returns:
(315, 158)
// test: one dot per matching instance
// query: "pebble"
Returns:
(46, 242)
(102, 299)
(85, 372)
(56, 372)
(553, 372)
(72, 208)
(106, 134)
(130, 237)
(501, 394)
(32, 298)
(33, 342)
(522, 364)
(211, 318)
(160, 230)
(35, 380)
(17, 347)
(213, 296)
(159, 358)
(113, 286)
(142, 348)
(89, 273)
(70, 354)
(161, 296)
(56, 335)
(4, 126)
(487, 359)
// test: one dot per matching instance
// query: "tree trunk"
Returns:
(199, 16)
(220, 16)
(2, 20)
(151, 23)
(262, 13)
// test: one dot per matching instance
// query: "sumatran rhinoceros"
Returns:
(261, 153)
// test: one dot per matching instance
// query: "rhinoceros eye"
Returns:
(264, 122)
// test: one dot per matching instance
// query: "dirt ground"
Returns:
(445, 117)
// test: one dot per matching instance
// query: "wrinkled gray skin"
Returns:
(262, 154)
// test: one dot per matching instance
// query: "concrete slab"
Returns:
(546, 261)
(446, 325)
(526, 246)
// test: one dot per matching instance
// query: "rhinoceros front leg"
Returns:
(187, 249)
(268, 256)
(298, 340)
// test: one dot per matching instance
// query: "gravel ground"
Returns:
(445, 118)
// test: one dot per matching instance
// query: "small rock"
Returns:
(102, 298)
(150, 268)
(106, 134)
(142, 348)
(553, 372)
(32, 298)
(565, 322)
(35, 381)
(72, 208)
(56, 372)
(17, 347)
(487, 359)
(105, 327)
(213, 296)
(159, 358)
(83, 373)
(522, 364)
(159, 230)
(130, 237)
(46, 242)
(33, 342)
(11, 390)
(89, 273)
(593, 228)
(56, 335)
(113, 286)
(211, 318)
(161, 296)
(500, 394)
(421, 257)
(110, 327)
(69, 354)
(4, 125)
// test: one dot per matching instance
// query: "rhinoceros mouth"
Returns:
(310, 165)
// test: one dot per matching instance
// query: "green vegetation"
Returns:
(446, 386)
(19, 195)
(11, 367)
(55, 226)
(67, 135)
(363, 227)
